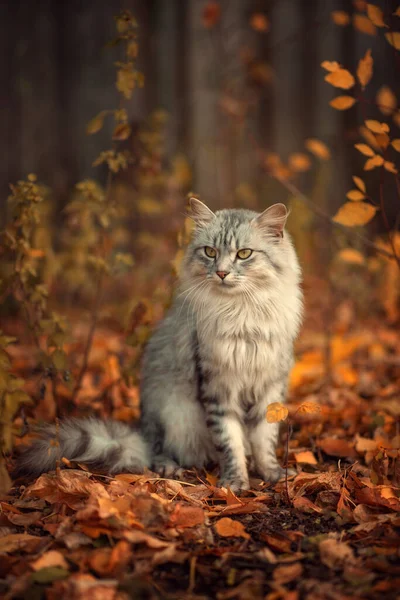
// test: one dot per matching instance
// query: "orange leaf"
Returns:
(389, 166)
(359, 183)
(287, 573)
(336, 447)
(259, 22)
(336, 555)
(227, 527)
(355, 214)
(306, 457)
(318, 148)
(340, 78)
(376, 15)
(330, 65)
(211, 14)
(52, 558)
(340, 17)
(355, 195)
(393, 37)
(308, 408)
(396, 144)
(299, 162)
(365, 69)
(276, 412)
(377, 127)
(364, 149)
(342, 102)
(365, 444)
(187, 516)
(351, 256)
(386, 100)
(364, 25)
(372, 163)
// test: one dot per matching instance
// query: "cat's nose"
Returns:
(222, 274)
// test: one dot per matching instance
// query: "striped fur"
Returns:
(221, 355)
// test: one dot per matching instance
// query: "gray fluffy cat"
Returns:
(221, 355)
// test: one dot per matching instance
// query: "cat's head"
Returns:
(236, 251)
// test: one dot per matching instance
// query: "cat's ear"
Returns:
(273, 220)
(199, 212)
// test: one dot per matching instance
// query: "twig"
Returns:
(384, 216)
(89, 340)
(288, 434)
(294, 190)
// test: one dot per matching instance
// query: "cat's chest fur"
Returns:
(241, 348)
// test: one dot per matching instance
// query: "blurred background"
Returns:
(221, 70)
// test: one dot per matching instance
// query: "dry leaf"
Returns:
(364, 25)
(276, 412)
(342, 102)
(318, 148)
(336, 447)
(306, 457)
(341, 78)
(364, 149)
(355, 214)
(359, 183)
(340, 17)
(393, 37)
(376, 126)
(227, 527)
(52, 558)
(336, 555)
(287, 573)
(396, 144)
(308, 408)
(211, 14)
(376, 15)
(96, 124)
(355, 195)
(389, 166)
(386, 100)
(299, 162)
(331, 66)
(372, 163)
(365, 69)
(259, 22)
(187, 516)
(350, 255)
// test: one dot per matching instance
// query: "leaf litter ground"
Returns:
(331, 532)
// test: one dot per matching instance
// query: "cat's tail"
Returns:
(105, 445)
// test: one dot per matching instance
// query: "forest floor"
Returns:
(331, 532)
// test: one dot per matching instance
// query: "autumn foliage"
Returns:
(79, 305)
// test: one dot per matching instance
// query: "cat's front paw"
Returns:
(274, 474)
(236, 484)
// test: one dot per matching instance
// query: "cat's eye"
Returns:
(210, 252)
(244, 253)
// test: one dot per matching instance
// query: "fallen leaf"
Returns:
(337, 447)
(336, 555)
(186, 516)
(305, 457)
(287, 573)
(227, 527)
(53, 558)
